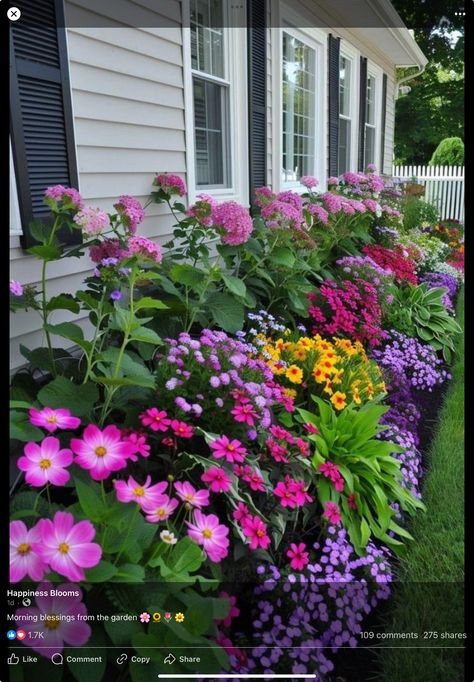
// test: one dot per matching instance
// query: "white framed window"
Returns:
(348, 111)
(299, 113)
(214, 69)
(373, 116)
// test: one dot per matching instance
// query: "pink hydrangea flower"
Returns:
(182, 429)
(59, 619)
(161, 510)
(24, 557)
(309, 181)
(202, 209)
(61, 193)
(188, 493)
(156, 419)
(263, 196)
(299, 557)
(333, 180)
(234, 221)
(232, 450)
(44, 462)
(93, 221)
(67, 546)
(171, 184)
(131, 211)
(218, 480)
(101, 452)
(255, 529)
(143, 494)
(53, 419)
(332, 512)
(16, 288)
(244, 413)
(145, 248)
(210, 534)
(241, 512)
(109, 248)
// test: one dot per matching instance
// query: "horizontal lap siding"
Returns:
(127, 95)
(389, 126)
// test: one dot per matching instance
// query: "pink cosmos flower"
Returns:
(332, 512)
(188, 493)
(182, 429)
(287, 498)
(277, 451)
(244, 413)
(218, 480)
(138, 444)
(50, 617)
(16, 288)
(298, 489)
(156, 419)
(45, 462)
(232, 450)
(208, 532)
(234, 611)
(24, 557)
(101, 452)
(299, 558)
(161, 510)
(144, 495)
(53, 419)
(255, 529)
(254, 479)
(241, 512)
(67, 547)
(93, 221)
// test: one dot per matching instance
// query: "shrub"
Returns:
(449, 152)
(416, 212)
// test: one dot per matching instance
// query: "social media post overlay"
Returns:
(275, 626)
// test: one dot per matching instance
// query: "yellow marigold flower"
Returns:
(276, 367)
(339, 400)
(337, 378)
(290, 392)
(328, 388)
(294, 374)
(279, 344)
(299, 354)
(356, 396)
(318, 374)
(344, 343)
(305, 342)
(325, 345)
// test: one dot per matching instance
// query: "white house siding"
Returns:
(127, 96)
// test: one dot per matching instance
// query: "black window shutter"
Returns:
(384, 121)
(257, 93)
(333, 104)
(41, 111)
(362, 106)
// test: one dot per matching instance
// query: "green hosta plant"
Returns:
(371, 475)
(420, 311)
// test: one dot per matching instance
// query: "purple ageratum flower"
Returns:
(16, 288)
(116, 295)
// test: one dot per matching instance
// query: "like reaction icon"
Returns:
(13, 660)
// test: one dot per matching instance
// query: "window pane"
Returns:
(345, 86)
(298, 92)
(369, 145)
(207, 39)
(370, 103)
(344, 151)
(210, 123)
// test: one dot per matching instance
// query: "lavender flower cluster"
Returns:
(365, 268)
(411, 462)
(410, 361)
(439, 279)
(298, 618)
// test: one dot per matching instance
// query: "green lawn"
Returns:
(428, 596)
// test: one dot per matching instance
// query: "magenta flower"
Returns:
(299, 557)
(309, 181)
(233, 221)
(182, 429)
(58, 618)
(145, 494)
(310, 428)
(241, 512)
(93, 221)
(218, 480)
(156, 419)
(67, 547)
(188, 493)
(298, 489)
(332, 512)
(234, 611)
(160, 510)
(208, 532)
(254, 479)
(68, 194)
(138, 443)
(331, 471)
(16, 288)
(255, 529)
(287, 498)
(131, 211)
(53, 419)
(44, 463)
(232, 450)
(145, 248)
(244, 413)
(351, 501)
(101, 452)
(24, 557)
(171, 184)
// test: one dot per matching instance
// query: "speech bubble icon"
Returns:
(57, 659)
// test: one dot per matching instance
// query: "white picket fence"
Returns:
(444, 186)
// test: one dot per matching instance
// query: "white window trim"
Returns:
(317, 40)
(15, 216)
(236, 73)
(377, 73)
(349, 52)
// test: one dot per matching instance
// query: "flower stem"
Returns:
(129, 530)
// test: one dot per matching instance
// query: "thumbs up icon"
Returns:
(13, 660)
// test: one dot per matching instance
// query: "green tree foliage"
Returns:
(449, 152)
(434, 109)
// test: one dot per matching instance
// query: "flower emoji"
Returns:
(167, 616)
(179, 617)
(144, 617)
